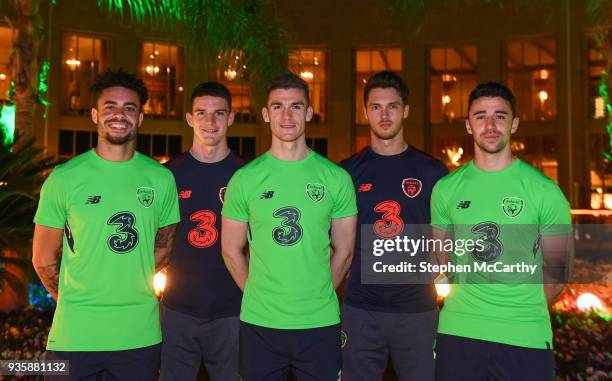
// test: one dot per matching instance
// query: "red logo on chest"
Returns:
(412, 187)
(184, 194)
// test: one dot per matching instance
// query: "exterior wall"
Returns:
(341, 27)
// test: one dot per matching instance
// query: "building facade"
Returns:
(547, 55)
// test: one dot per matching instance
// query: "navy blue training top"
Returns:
(382, 183)
(198, 283)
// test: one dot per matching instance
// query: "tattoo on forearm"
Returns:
(165, 237)
(163, 246)
(49, 275)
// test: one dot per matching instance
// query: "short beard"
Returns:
(119, 140)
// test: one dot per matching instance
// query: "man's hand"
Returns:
(45, 248)
(164, 240)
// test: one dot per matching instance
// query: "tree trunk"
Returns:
(24, 65)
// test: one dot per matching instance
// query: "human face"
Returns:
(287, 113)
(385, 112)
(118, 115)
(210, 117)
(491, 123)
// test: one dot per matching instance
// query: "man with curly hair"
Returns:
(114, 211)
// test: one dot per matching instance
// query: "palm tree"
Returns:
(21, 176)
(244, 27)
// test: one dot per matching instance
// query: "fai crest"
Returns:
(512, 206)
(343, 338)
(145, 196)
(222, 194)
(412, 187)
(315, 191)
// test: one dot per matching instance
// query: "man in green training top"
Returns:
(298, 211)
(116, 210)
(495, 324)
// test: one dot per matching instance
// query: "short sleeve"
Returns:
(235, 206)
(345, 203)
(439, 211)
(52, 206)
(555, 217)
(170, 208)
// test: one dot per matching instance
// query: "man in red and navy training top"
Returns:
(393, 182)
(201, 302)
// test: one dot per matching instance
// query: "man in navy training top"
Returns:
(393, 181)
(201, 302)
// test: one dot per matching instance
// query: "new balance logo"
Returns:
(366, 187)
(266, 195)
(184, 194)
(463, 204)
(93, 199)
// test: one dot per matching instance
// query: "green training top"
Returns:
(110, 213)
(289, 206)
(509, 210)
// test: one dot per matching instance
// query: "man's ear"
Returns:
(230, 118)
(515, 124)
(468, 128)
(94, 115)
(189, 119)
(406, 111)
(309, 113)
(264, 114)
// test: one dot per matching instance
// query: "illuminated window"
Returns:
(244, 146)
(600, 172)
(159, 147)
(319, 145)
(311, 66)
(6, 43)
(597, 67)
(368, 62)
(83, 58)
(452, 77)
(453, 151)
(161, 68)
(72, 143)
(532, 77)
(230, 72)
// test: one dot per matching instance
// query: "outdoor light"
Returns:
(446, 99)
(307, 75)
(588, 301)
(2, 76)
(442, 289)
(159, 282)
(599, 108)
(543, 95)
(544, 74)
(180, 89)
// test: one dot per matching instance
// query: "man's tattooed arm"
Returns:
(45, 248)
(164, 240)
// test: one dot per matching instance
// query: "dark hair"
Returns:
(490, 90)
(120, 78)
(385, 80)
(213, 89)
(289, 81)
